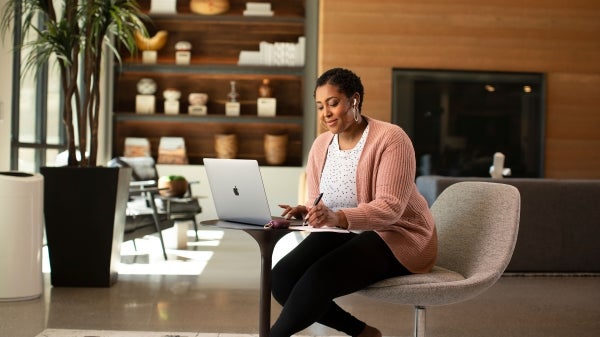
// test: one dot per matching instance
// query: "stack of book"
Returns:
(258, 9)
(171, 150)
(275, 54)
(136, 147)
(163, 7)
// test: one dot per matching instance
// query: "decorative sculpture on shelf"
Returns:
(265, 89)
(171, 101)
(146, 86)
(266, 105)
(198, 98)
(209, 7)
(275, 147)
(232, 108)
(197, 102)
(183, 52)
(226, 146)
(145, 101)
(150, 45)
(233, 94)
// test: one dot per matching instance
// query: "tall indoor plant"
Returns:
(75, 32)
(84, 204)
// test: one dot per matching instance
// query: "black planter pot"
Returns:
(84, 211)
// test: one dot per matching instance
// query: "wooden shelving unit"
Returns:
(216, 44)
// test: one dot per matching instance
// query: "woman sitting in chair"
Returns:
(365, 169)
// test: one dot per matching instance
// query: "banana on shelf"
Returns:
(153, 43)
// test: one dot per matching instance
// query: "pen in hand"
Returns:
(305, 223)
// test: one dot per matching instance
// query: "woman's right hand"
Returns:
(297, 212)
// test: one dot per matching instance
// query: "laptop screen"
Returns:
(237, 190)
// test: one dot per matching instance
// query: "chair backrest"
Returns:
(477, 225)
(143, 168)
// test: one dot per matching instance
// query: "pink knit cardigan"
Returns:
(388, 200)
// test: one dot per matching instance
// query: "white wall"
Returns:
(281, 186)
(5, 100)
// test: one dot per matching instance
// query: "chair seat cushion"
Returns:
(135, 222)
(436, 275)
(137, 206)
(183, 205)
(438, 287)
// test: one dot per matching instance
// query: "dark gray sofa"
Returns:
(560, 222)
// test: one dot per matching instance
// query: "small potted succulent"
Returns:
(173, 186)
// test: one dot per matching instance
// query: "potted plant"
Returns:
(173, 186)
(76, 34)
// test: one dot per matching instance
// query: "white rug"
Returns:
(113, 333)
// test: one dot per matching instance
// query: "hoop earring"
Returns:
(355, 113)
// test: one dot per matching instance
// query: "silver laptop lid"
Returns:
(237, 189)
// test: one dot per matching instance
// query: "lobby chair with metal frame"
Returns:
(143, 216)
(148, 211)
(477, 225)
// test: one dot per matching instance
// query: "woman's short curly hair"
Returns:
(347, 82)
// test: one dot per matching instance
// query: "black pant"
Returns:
(325, 266)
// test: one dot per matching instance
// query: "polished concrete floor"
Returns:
(212, 286)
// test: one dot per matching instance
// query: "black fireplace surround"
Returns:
(457, 120)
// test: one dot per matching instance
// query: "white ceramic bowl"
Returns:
(197, 98)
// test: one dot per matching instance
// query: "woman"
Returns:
(365, 169)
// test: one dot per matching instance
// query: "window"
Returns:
(37, 132)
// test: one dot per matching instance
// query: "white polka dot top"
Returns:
(338, 181)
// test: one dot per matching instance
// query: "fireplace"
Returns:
(457, 120)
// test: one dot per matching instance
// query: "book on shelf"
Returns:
(258, 9)
(276, 54)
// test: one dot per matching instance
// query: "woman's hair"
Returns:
(345, 80)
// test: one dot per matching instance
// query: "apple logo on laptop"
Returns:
(235, 190)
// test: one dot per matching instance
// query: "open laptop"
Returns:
(238, 192)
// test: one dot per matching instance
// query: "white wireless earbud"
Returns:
(354, 101)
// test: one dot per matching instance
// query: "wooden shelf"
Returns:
(244, 119)
(199, 131)
(286, 89)
(199, 66)
(235, 16)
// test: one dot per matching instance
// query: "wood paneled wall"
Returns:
(560, 38)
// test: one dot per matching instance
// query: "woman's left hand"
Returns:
(296, 212)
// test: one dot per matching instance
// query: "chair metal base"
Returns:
(420, 313)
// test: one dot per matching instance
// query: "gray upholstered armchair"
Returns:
(477, 225)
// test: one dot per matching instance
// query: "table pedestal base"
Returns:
(266, 239)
